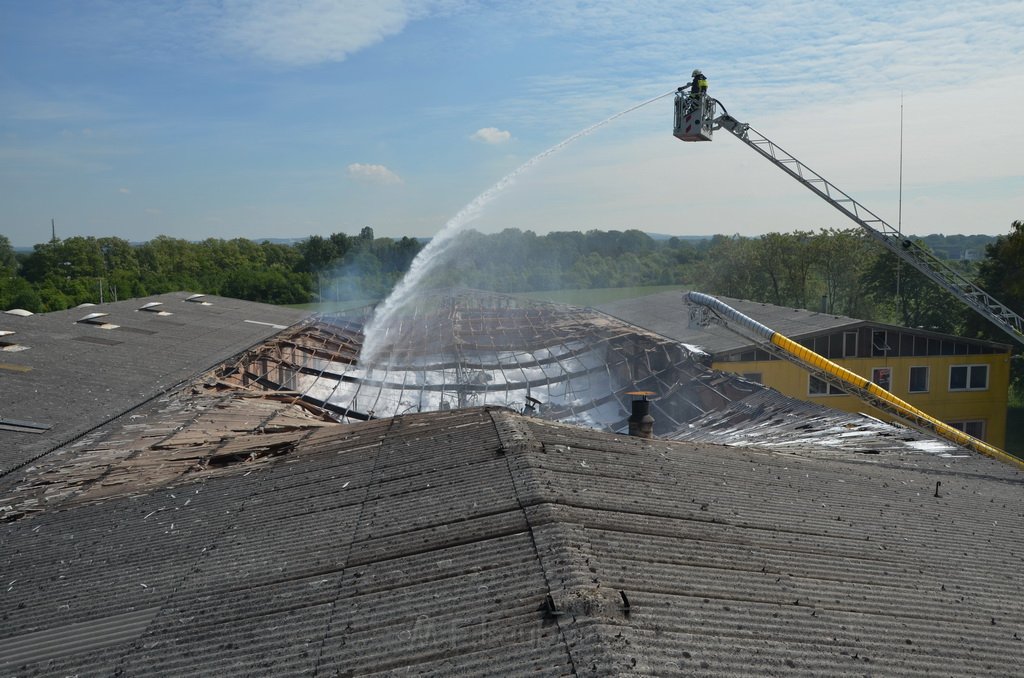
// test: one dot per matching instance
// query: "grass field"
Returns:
(333, 306)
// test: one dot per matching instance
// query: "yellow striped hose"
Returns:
(894, 405)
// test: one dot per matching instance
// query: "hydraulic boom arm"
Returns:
(909, 251)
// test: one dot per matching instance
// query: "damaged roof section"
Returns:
(187, 435)
(79, 376)
(768, 419)
(463, 348)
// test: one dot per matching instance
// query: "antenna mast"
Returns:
(899, 210)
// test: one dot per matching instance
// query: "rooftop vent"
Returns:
(9, 346)
(155, 307)
(641, 423)
(97, 319)
(199, 299)
(19, 311)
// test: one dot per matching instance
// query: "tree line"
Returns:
(64, 273)
(836, 271)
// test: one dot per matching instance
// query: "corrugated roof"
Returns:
(768, 419)
(78, 376)
(225, 529)
(259, 405)
(668, 314)
(432, 543)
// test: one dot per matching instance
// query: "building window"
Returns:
(818, 387)
(968, 377)
(918, 380)
(879, 343)
(882, 377)
(849, 344)
(975, 427)
(753, 376)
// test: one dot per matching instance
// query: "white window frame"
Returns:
(970, 369)
(961, 425)
(830, 390)
(927, 378)
(884, 349)
(847, 344)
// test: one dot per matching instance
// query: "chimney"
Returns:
(641, 423)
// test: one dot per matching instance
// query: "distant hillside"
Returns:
(958, 247)
(692, 238)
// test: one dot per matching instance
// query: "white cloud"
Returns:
(491, 135)
(124, 190)
(376, 174)
(780, 56)
(314, 31)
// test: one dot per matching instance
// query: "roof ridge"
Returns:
(514, 431)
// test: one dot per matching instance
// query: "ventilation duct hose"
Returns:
(812, 361)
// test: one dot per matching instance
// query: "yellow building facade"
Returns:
(962, 382)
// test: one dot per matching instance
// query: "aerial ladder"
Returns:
(706, 310)
(696, 118)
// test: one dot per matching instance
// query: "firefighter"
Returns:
(699, 86)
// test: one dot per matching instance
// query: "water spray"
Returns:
(376, 330)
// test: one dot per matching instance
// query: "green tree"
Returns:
(16, 292)
(8, 257)
(785, 261)
(840, 258)
(730, 269)
(906, 297)
(170, 264)
(1000, 274)
(592, 271)
(317, 253)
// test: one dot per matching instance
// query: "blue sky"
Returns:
(264, 118)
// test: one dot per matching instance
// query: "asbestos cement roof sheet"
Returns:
(768, 419)
(667, 313)
(75, 376)
(483, 542)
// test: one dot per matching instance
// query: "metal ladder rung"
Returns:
(920, 258)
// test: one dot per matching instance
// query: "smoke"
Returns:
(431, 256)
(356, 277)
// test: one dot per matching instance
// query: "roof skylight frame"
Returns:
(10, 346)
(154, 307)
(96, 320)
